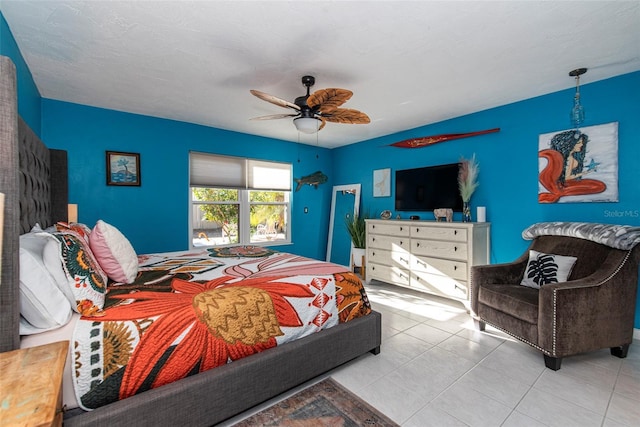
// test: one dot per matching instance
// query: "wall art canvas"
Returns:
(382, 183)
(123, 168)
(579, 165)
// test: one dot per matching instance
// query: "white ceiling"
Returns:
(408, 63)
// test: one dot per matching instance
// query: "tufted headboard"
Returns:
(34, 181)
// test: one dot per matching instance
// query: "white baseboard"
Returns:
(636, 334)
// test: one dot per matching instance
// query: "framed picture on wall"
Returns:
(579, 165)
(123, 168)
(382, 183)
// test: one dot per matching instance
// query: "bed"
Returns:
(205, 398)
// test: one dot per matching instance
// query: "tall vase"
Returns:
(466, 212)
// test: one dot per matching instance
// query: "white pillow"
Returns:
(114, 252)
(543, 269)
(42, 303)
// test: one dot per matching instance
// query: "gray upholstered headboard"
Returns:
(34, 181)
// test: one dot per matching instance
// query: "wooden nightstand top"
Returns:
(30, 385)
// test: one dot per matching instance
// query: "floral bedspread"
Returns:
(191, 311)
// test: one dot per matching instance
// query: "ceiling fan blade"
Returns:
(274, 116)
(274, 100)
(347, 115)
(328, 99)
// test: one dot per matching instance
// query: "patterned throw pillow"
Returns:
(543, 269)
(81, 279)
(83, 230)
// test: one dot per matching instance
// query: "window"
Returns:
(238, 201)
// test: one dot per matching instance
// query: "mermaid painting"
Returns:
(564, 172)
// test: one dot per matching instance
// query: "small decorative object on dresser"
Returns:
(385, 214)
(467, 183)
(427, 256)
(447, 214)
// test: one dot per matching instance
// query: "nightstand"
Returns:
(31, 385)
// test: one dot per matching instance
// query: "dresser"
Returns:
(427, 256)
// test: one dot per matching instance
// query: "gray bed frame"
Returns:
(26, 169)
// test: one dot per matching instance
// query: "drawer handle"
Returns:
(422, 262)
(455, 267)
(373, 226)
(455, 248)
(373, 253)
(373, 239)
(400, 228)
(455, 232)
(404, 260)
(401, 243)
(417, 244)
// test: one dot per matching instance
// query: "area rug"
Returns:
(325, 404)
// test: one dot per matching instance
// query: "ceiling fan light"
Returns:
(307, 124)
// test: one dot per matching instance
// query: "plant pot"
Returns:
(357, 254)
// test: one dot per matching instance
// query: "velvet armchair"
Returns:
(590, 309)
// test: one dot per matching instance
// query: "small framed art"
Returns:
(123, 168)
(382, 182)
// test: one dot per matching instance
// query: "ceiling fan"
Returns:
(314, 110)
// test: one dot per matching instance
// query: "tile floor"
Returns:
(436, 370)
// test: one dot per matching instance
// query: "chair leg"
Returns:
(621, 351)
(552, 363)
(480, 325)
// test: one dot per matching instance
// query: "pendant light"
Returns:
(577, 112)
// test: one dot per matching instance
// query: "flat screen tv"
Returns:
(428, 188)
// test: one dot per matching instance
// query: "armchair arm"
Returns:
(508, 274)
(590, 313)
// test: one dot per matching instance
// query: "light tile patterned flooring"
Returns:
(434, 369)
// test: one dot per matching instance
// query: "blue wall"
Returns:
(154, 216)
(509, 163)
(508, 160)
(28, 94)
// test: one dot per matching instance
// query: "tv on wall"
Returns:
(428, 188)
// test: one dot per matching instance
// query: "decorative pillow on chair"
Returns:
(81, 279)
(114, 252)
(42, 304)
(543, 269)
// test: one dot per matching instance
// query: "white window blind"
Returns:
(210, 170)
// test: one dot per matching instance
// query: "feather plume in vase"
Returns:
(468, 178)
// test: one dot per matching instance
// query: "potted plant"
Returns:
(357, 229)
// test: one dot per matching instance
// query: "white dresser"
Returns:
(428, 256)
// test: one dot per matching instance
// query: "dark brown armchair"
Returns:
(593, 309)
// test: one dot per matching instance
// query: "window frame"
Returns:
(244, 204)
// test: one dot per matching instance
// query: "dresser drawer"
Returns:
(439, 249)
(438, 284)
(389, 274)
(392, 258)
(392, 229)
(454, 269)
(389, 243)
(439, 233)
